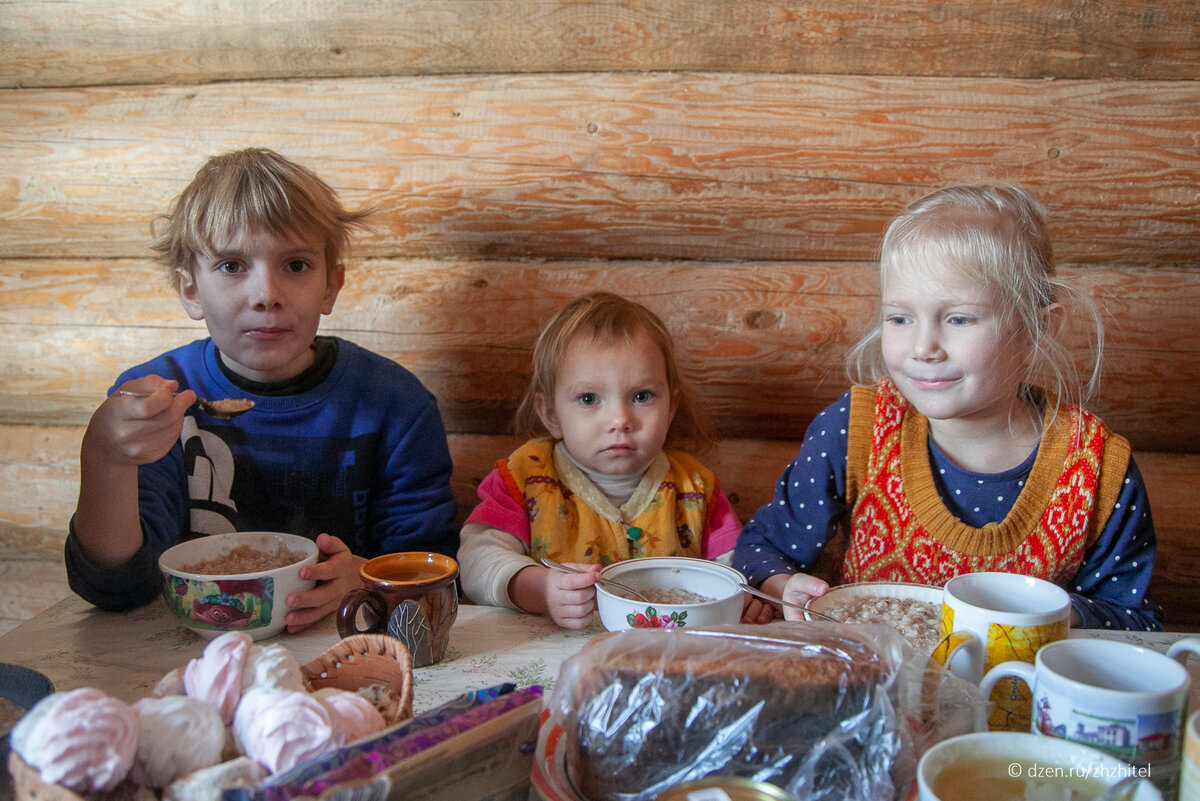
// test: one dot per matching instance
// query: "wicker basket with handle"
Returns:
(362, 661)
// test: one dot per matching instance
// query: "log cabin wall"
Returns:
(729, 164)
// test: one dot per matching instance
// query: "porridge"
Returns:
(917, 621)
(674, 596)
(245, 559)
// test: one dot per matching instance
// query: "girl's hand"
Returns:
(336, 574)
(571, 597)
(756, 610)
(798, 588)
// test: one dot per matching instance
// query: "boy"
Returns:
(342, 445)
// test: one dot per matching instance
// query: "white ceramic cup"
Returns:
(1018, 756)
(1189, 768)
(1120, 698)
(990, 618)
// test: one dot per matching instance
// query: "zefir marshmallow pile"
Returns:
(234, 715)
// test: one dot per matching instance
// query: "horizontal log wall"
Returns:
(732, 165)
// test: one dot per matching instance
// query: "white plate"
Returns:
(549, 774)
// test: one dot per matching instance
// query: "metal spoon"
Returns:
(766, 596)
(630, 591)
(221, 409)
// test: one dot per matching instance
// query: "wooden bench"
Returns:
(730, 165)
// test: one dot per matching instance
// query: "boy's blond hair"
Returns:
(604, 317)
(254, 189)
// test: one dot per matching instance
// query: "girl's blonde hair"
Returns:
(996, 234)
(604, 317)
(245, 190)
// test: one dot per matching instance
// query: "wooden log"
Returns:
(619, 166)
(39, 474)
(190, 41)
(764, 342)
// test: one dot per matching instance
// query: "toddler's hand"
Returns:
(755, 610)
(798, 589)
(137, 431)
(571, 597)
(336, 574)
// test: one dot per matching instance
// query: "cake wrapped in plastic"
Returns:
(818, 709)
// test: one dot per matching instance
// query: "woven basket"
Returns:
(28, 784)
(363, 660)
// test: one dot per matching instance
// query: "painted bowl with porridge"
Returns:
(682, 592)
(235, 582)
(912, 609)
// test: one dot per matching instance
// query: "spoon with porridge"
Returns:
(223, 409)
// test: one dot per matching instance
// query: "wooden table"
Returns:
(125, 654)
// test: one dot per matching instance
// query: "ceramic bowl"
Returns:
(256, 603)
(700, 576)
(884, 595)
(1013, 758)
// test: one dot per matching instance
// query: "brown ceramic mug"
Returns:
(410, 596)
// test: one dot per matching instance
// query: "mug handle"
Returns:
(1021, 670)
(1180, 650)
(347, 616)
(951, 644)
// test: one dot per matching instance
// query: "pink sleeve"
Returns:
(721, 533)
(499, 509)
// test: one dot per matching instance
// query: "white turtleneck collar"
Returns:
(619, 498)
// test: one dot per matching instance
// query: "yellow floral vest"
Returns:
(902, 531)
(666, 515)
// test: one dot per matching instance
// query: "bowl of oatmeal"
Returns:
(914, 610)
(235, 582)
(682, 592)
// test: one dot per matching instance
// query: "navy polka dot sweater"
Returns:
(788, 534)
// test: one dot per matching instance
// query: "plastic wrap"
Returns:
(825, 711)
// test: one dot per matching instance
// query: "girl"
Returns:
(968, 449)
(594, 485)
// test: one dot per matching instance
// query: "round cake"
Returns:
(805, 706)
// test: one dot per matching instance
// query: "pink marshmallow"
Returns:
(351, 715)
(280, 729)
(215, 677)
(82, 739)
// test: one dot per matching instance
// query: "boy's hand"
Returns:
(571, 597)
(136, 431)
(336, 574)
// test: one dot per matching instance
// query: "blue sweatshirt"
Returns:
(353, 447)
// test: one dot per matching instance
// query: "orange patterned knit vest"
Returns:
(902, 531)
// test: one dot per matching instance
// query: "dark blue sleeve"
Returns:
(1111, 589)
(162, 508)
(414, 507)
(787, 535)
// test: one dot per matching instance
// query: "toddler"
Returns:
(342, 445)
(966, 446)
(596, 486)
